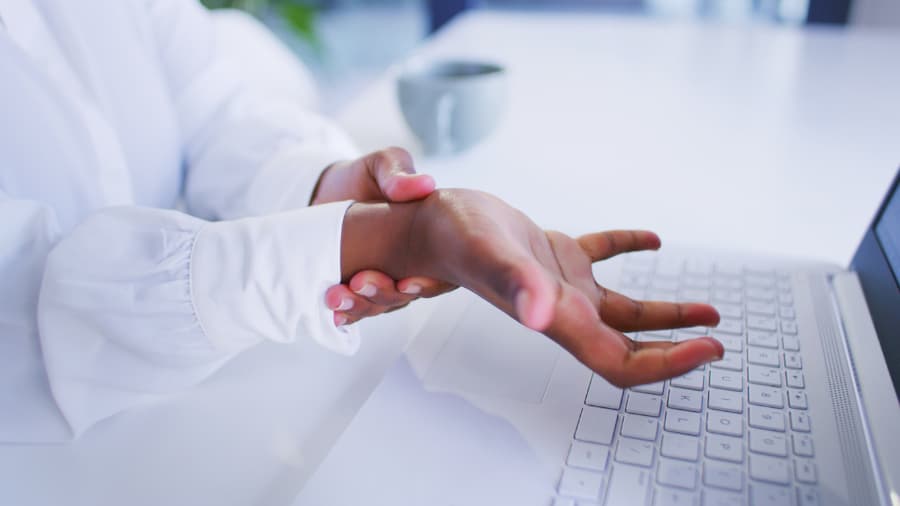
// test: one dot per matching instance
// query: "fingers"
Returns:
(627, 315)
(603, 245)
(378, 289)
(423, 287)
(370, 293)
(392, 170)
(611, 354)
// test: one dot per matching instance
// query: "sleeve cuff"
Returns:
(266, 277)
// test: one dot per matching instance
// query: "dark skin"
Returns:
(387, 175)
(541, 278)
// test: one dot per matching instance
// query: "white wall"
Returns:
(885, 13)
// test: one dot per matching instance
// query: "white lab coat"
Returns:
(114, 113)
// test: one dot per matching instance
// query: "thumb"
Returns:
(393, 173)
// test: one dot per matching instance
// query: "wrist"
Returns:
(377, 236)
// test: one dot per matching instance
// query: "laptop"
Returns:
(800, 412)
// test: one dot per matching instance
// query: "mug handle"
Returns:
(445, 106)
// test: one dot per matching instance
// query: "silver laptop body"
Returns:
(802, 410)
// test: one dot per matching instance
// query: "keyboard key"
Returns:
(725, 448)
(695, 294)
(725, 379)
(765, 396)
(793, 361)
(797, 399)
(671, 497)
(581, 484)
(658, 335)
(761, 338)
(664, 284)
(763, 494)
(771, 469)
(596, 425)
(726, 401)
(692, 380)
(677, 474)
(799, 421)
(805, 471)
(712, 497)
(650, 388)
(724, 423)
(563, 501)
(769, 443)
(790, 343)
(641, 427)
(803, 445)
(763, 376)
(628, 485)
(730, 343)
(643, 404)
(787, 313)
(603, 394)
(729, 326)
(681, 398)
(632, 451)
(724, 476)
(763, 356)
(727, 296)
(762, 323)
(785, 298)
(731, 361)
(763, 294)
(807, 496)
(733, 311)
(698, 267)
(680, 447)
(789, 327)
(683, 422)
(761, 308)
(795, 379)
(763, 418)
(588, 456)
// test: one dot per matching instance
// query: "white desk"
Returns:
(757, 138)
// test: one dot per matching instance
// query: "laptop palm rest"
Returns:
(490, 354)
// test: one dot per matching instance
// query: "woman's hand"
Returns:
(544, 279)
(383, 176)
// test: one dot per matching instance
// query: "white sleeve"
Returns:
(249, 151)
(136, 304)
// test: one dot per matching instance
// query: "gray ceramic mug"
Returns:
(451, 105)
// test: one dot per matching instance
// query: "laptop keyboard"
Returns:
(734, 432)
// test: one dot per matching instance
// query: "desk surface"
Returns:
(751, 137)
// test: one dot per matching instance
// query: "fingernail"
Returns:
(340, 320)
(412, 289)
(346, 303)
(367, 290)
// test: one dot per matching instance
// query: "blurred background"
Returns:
(347, 43)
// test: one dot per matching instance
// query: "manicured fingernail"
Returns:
(412, 289)
(346, 303)
(340, 319)
(367, 290)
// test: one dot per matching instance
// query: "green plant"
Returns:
(298, 15)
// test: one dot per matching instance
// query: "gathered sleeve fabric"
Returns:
(136, 304)
(249, 151)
